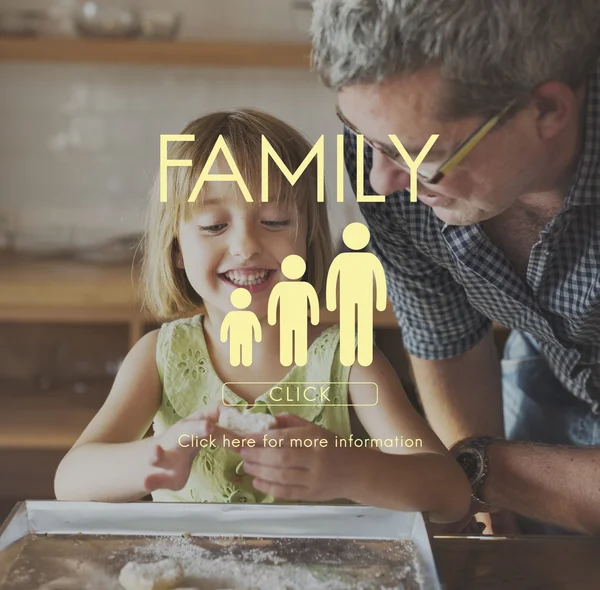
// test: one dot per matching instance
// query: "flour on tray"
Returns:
(259, 564)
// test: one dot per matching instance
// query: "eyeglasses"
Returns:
(435, 175)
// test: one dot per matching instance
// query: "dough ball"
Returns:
(161, 575)
(245, 423)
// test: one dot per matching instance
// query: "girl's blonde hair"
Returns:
(167, 293)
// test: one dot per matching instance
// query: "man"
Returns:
(506, 227)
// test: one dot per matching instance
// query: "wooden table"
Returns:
(518, 563)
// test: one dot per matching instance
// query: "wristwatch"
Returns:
(471, 456)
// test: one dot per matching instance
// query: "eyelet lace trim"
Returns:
(192, 363)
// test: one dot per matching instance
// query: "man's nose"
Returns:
(387, 177)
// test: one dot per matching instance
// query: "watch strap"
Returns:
(478, 444)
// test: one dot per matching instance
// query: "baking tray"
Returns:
(45, 545)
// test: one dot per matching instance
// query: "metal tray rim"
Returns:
(254, 520)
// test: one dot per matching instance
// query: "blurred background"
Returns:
(86, 89)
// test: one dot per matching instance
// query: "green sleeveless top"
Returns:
(190, 382)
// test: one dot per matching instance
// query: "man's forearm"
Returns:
(420, 482)
(462, 395)
(552, 484)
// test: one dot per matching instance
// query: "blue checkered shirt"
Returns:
(447, 283)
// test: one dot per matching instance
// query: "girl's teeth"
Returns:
(252, 278)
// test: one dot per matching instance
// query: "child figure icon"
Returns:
(242, 328)
(294, 299)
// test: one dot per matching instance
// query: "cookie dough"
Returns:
(161, 575)
(246, 422)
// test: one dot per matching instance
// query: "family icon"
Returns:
(355, 278)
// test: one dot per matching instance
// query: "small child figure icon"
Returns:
(242, 328)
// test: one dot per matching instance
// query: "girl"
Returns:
(173, 378)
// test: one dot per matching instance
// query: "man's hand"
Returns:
(297, 473)
(502, 522)
(170, 461)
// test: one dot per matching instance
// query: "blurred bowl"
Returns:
(48, 242)
(159, 24)
(117, 250)
(96, 19)
(22, 23)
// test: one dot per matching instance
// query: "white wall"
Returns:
(79, 143)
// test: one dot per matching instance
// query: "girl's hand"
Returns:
(173, 453)
(297, 472)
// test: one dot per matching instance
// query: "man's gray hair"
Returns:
(489, 51)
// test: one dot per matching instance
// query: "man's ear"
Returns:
(556, 107)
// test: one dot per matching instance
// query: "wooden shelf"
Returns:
(29, 282)
(64, 291)
(52, 421)
(201, 53)
(55, 291)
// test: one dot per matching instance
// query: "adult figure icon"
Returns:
(360, 276)
(294, 298)
(242, 328)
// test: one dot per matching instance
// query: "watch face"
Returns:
(472, 463)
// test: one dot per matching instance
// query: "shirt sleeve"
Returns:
(432, 308)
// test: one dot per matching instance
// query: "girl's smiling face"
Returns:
(228, 243)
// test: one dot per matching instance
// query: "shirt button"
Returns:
(239, 470)
(240, 497)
